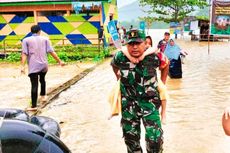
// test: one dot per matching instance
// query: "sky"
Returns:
(121, 3)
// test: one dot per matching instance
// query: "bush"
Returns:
(13, 57)
(70, 53)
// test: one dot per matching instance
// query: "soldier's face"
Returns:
(136, 49)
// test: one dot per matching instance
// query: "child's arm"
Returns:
(163, 111)
(163, 96)
(132, 59)
(149, 51)
(164, 66)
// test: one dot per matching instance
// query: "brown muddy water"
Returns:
(194, 108)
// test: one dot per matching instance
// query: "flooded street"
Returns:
(194, 109)
(197, 101)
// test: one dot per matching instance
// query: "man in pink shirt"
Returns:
(35, 49)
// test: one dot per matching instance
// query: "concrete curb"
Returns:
(51, 95)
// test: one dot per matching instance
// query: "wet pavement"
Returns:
(15, 87)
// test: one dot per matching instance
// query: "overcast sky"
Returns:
(121, 3)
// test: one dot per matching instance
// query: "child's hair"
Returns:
(149, 37)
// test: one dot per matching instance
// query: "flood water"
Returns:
(194, 109)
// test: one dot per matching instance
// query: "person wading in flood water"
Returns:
(35, 49)
(163, 43)
(164, 65)
(173, 52)
(140, 96)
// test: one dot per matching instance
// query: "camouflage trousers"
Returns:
(132, 113)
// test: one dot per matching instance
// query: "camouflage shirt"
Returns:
(138, 80)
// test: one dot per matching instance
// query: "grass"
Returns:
(69, 54)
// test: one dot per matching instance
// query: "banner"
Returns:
(175, 27)
(187, 23)
(114, 34)
(220, 18)
(194, 25)
(142, 25)
(86, 7)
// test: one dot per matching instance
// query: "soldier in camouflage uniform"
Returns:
(140, 96)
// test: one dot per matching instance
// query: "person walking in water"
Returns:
(163, 43)
(164, 65)
(139, 94)
(173, 52)
(35, 49)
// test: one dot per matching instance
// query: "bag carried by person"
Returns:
(115, 100)
(182, 57)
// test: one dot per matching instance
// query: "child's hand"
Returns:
(227, 113)
(141, 57)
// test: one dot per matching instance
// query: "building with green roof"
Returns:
(64, 22)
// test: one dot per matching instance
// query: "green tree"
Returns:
(172, 10)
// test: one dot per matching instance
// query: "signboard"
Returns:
(142, 25)
(114, 34)
(187, 21)
(194, 25)
(220, 18)
(86, 7)
(175, 27)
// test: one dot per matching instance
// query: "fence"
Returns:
(205, 37)
(14, 45)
